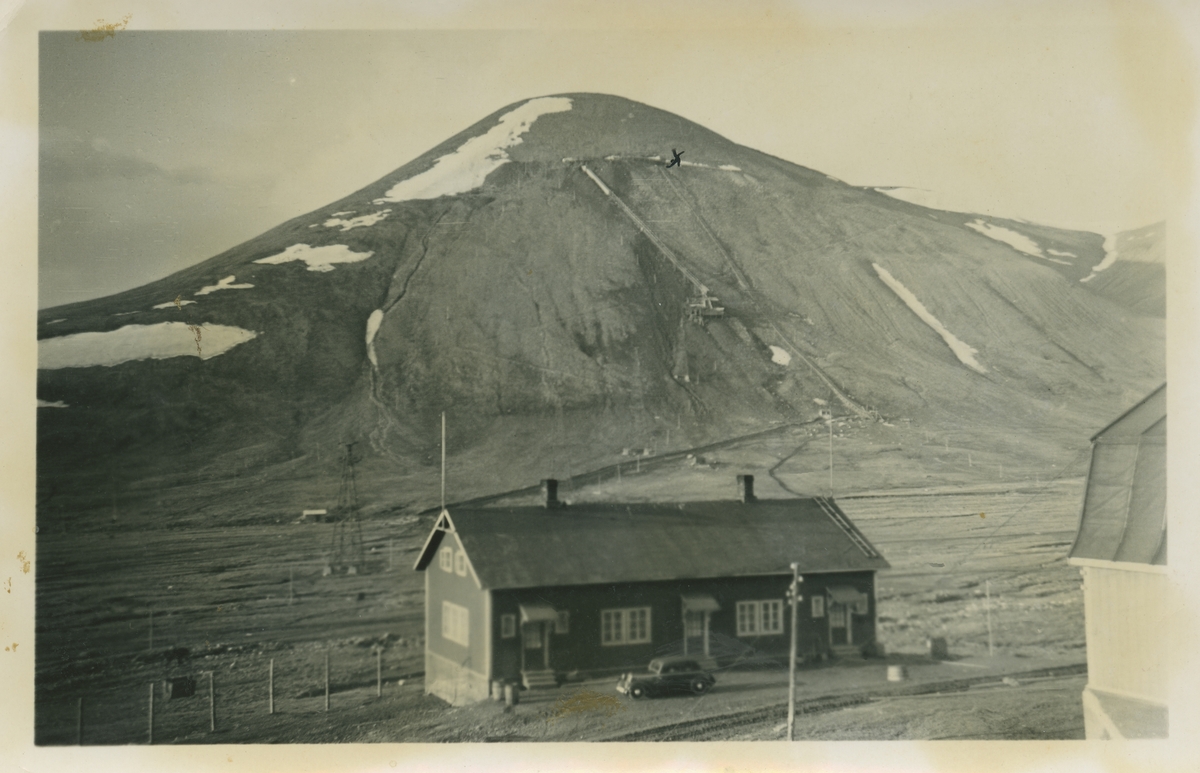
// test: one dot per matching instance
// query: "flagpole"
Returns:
(443, 460)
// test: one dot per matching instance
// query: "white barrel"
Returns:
(897, 673)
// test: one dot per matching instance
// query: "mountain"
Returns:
(539, 277)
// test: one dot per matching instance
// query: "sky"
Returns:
(161, 149)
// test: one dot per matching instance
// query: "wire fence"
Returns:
(206, 699)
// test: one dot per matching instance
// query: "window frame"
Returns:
(617, 626)
(460, 563)
(818, 606)
(563, 624)
(446, 558)
(508, 626)
(752, 616)
(456, 623)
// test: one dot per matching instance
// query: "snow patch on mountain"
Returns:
(466, 168)
(1062, 254)
(224, 284)
(1019, 242)
(55, 404)
(373, 323)
(730, 168)
(779, 355)
(918, 196)
(1110, 257)
(317, 258)
(356, 222)
(169, 304)
(139, 342)
(964, 352)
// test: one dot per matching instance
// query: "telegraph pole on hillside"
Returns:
(828, 417)
(794, 598)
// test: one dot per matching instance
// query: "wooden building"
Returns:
(532, 595)
(1121, 550)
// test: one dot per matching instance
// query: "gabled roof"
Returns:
(1124, 514)
(582, 544)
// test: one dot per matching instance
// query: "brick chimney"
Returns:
(745, 485)
(550, 493)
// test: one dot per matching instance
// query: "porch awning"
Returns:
(537, 613)
(845, 594)
(699, 602)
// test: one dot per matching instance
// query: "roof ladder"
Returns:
(837, 516)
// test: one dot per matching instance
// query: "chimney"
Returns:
(745, 488)
(550, 493)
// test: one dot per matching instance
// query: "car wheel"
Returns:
(699, 686)
(637, 691)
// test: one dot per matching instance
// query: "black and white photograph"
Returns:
(789, 376)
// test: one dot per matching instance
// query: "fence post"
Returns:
(379, 672)
(327, 680)
(271, 686)
(150, 735)
(79, 723)
(212, 705)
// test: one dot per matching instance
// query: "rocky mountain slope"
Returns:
(539, 277)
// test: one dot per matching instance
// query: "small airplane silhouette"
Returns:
(675, 161)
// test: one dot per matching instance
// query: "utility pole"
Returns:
(794, 597)
(828, 416)
(988, 586)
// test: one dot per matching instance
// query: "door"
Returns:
(535, 645)
(695, 632)
(839, 624)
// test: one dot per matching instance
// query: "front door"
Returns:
(535, 645)
(695, 632)
(839, 624)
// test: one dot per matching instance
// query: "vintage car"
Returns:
(676, 674)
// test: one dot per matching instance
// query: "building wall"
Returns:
(580, 649)
(453, 671)
(1127, 625)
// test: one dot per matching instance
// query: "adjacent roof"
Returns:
(581, 544)
(1124, 506)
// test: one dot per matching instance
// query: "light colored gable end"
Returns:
(470, 566)
(444, 526)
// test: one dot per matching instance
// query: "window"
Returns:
(693, 624)
(460, 564)
(446, 559)
(758, 618)
(625, 626)
(508, 626)
(563, 623)
(531, 633)
(818, 608)
(456, 623)
(861, 606)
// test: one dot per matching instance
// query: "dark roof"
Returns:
(581, 544)
(1124, 514)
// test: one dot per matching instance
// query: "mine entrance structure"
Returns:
(701, 305)
(346, 546)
